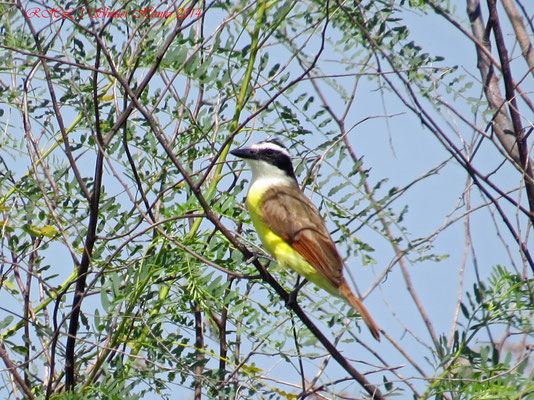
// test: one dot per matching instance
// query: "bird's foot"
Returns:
(292, 298)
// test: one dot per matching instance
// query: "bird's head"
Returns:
(268, 159)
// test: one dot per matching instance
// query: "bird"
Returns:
(290, 227)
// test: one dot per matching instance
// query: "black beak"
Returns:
(244, 153)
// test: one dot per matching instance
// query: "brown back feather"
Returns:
(293, 217)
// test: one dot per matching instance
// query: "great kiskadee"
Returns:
(290, 227)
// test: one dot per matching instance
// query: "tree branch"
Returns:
(521, 142)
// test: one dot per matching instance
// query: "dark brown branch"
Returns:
(199, 345)
(299, 355)
(521, 141)
(90, 239)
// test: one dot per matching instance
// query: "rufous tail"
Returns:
(358, 306)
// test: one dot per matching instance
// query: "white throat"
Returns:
(267, 175)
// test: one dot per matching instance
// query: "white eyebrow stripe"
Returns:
(270, 145)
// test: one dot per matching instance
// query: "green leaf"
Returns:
(6, 322)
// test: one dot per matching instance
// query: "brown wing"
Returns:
(293, 217)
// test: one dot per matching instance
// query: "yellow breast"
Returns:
(278, 247)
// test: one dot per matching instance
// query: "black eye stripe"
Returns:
(278, 159)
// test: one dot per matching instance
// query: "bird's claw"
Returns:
(292, 297)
